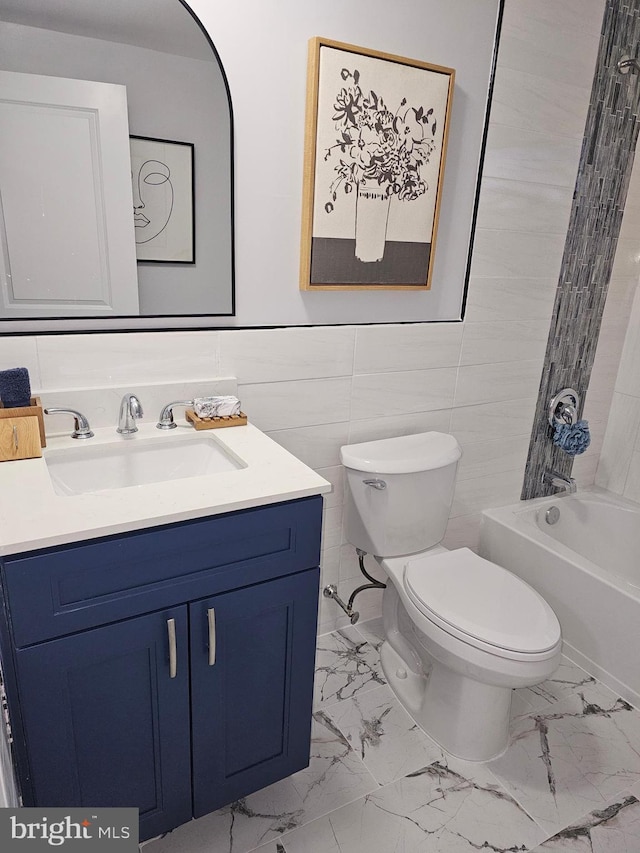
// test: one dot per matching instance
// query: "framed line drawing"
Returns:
(162, 177)
(375, 145)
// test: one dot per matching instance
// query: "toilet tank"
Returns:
(399, 492)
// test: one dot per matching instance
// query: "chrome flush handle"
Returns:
(376, 484)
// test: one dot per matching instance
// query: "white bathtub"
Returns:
(587, 566)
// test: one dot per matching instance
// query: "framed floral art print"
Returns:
(376, 138)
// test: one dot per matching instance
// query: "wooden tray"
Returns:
(34, 410)
(215, 423)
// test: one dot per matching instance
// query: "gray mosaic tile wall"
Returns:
(603, 178)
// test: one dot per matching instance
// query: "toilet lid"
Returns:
(482, 600)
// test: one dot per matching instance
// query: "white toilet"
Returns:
(460, 632)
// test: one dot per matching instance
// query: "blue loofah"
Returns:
(15, 389)
(573, 439)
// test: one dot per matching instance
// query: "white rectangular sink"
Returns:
(136, 462)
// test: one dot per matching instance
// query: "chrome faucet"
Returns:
(81, 424)
(166, 415)
(130, 410)
(559, 481)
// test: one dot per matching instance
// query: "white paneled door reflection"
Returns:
(66, 211)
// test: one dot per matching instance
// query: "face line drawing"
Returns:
(152, 173)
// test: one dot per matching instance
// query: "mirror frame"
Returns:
(146, 322)
(198, 322)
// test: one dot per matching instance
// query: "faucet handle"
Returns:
(81, 424)
(165, 420)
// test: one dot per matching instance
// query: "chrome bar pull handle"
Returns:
(376, 484)
(211, 619)
(173, 657)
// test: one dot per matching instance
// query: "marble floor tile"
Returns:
(438, 809)
(568, 680)
(377, 784)
(571, 756)
(346, 666)
(389, 742)
(615, 828)
(373, 632)
(335, 776)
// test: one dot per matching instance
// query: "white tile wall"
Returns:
(613, 400)
(532, 155)
(382, 349)
(404, 392)
(81, 361)
(315, 389)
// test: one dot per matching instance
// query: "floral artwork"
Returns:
(377, 147)
(379, 137)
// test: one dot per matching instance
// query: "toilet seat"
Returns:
(482, 604)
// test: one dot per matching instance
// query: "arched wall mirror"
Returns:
(83, 86)
(160, 52)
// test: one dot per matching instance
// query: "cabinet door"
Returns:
(106, 724)
(252, 658)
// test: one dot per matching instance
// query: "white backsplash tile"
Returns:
(507, 381)
(529, 155)
(632, 486)
(381, 349)
(622, 432)
(496, 299)
(492, 421)
(524, 206)
(402, 393)
(101, 361)
(627, 260)
(463, 532)
(389, 426)
(331, 527)
(316, 446)
(515, 254)
(570, 15)
(531, 102)
(329, 574)
(472, 496)
(283, 405)
(486, 458)
(542, 46)
(584, 468)
(274, 355)
(21, 352)
(505, 340)
(335, 475)
(628, 381)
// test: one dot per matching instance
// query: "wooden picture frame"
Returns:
(376, 135)
(163, 183)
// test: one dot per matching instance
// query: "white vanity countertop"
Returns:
(33, 516)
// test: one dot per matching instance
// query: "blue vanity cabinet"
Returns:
(104, 714)
(106, 724)
(251, 654)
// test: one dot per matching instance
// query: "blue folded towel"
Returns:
(15, 389)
